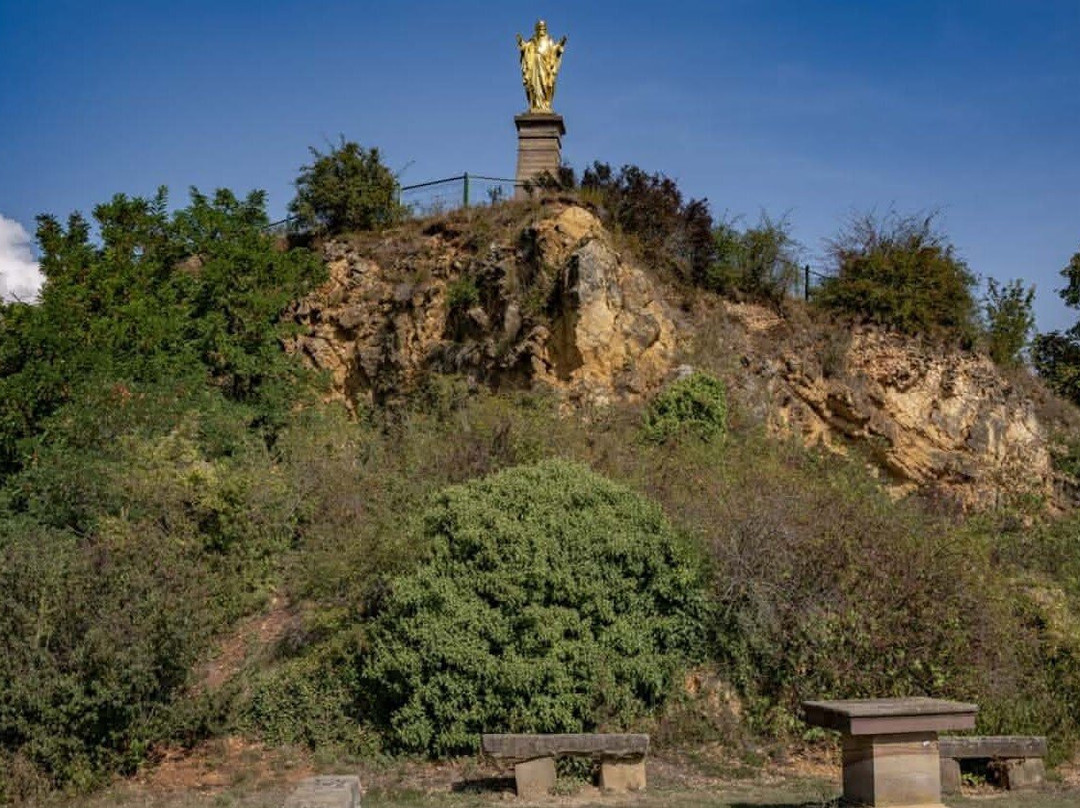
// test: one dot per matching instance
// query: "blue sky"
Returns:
(812, 109)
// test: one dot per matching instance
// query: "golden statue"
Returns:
(540, 59)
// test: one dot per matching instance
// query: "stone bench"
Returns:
(333, 791)
(890, 746)
(621, 756)
(1017, 760)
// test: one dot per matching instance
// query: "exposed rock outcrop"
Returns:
(933, 419)
(560, 306)
(551, 302)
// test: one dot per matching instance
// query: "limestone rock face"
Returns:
(931, 418)
(551, 302)
(559, 306)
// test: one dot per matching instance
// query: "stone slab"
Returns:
(1024, 774)
(890, 716)
(970, 747)
(601, 746)
(622, 775)
(535, 778)
(328, 791)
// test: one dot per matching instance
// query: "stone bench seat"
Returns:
(621, 757)
(1017, 760)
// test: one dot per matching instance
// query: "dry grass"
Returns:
(230, 774)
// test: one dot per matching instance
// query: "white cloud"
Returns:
(20, 274)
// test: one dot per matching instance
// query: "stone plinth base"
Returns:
(539, 146)
(892, 770)
(326, 792)
(535, 778)
(622, 775)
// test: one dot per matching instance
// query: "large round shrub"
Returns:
(553, 600)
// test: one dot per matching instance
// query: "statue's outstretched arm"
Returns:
(520, 41)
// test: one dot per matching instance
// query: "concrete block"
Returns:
(622, 775)
(1023, 774)
(950, 776)
(535, 778)
(335, 791)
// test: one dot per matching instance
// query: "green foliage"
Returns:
(195, 296)
(94, 640)
(553, 600)
(674, 236)
(348, 188)
(310, 700)
(761, 262)
(462, 294)
(900, 272)
(1009, 320)
(1056, 355)
(695, 405)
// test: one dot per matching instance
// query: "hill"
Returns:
(204, 535)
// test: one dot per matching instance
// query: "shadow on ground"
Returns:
(483, 785)
(832, 803)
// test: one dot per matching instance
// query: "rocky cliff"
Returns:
(547, 299)
(553, 304)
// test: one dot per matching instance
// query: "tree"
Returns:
(1056, 354)
(196, 296)
(899, 271)
(348, 188)
(1009, 319)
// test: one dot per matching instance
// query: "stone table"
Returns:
(891, 745)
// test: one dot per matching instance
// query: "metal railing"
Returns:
(436, 196)
(463, 191)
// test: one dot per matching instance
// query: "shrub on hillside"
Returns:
(760, 263)
(348, 188)
(695, 405)
(900, 272)
(553, 600)
(674, 236)
(1056, 354)
(1009, 320)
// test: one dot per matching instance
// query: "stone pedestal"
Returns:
(539, 146)
(892, 769)
(891, 755)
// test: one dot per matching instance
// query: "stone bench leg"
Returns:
(535, 778)
(892, 769)
(950, 776)
(1024, 773)
(622, 775)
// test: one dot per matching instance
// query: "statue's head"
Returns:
(541, 28)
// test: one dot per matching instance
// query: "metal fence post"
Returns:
(466, 178)
(806, 282)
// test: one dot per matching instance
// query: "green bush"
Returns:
(1056, 354)
(553, 600)
(761, 262)
(673, 235)
(348, 188)
(310, 700)
(1009, 320)
(695, 405)
(900, 272)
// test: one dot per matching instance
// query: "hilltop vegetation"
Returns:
(459, 558)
